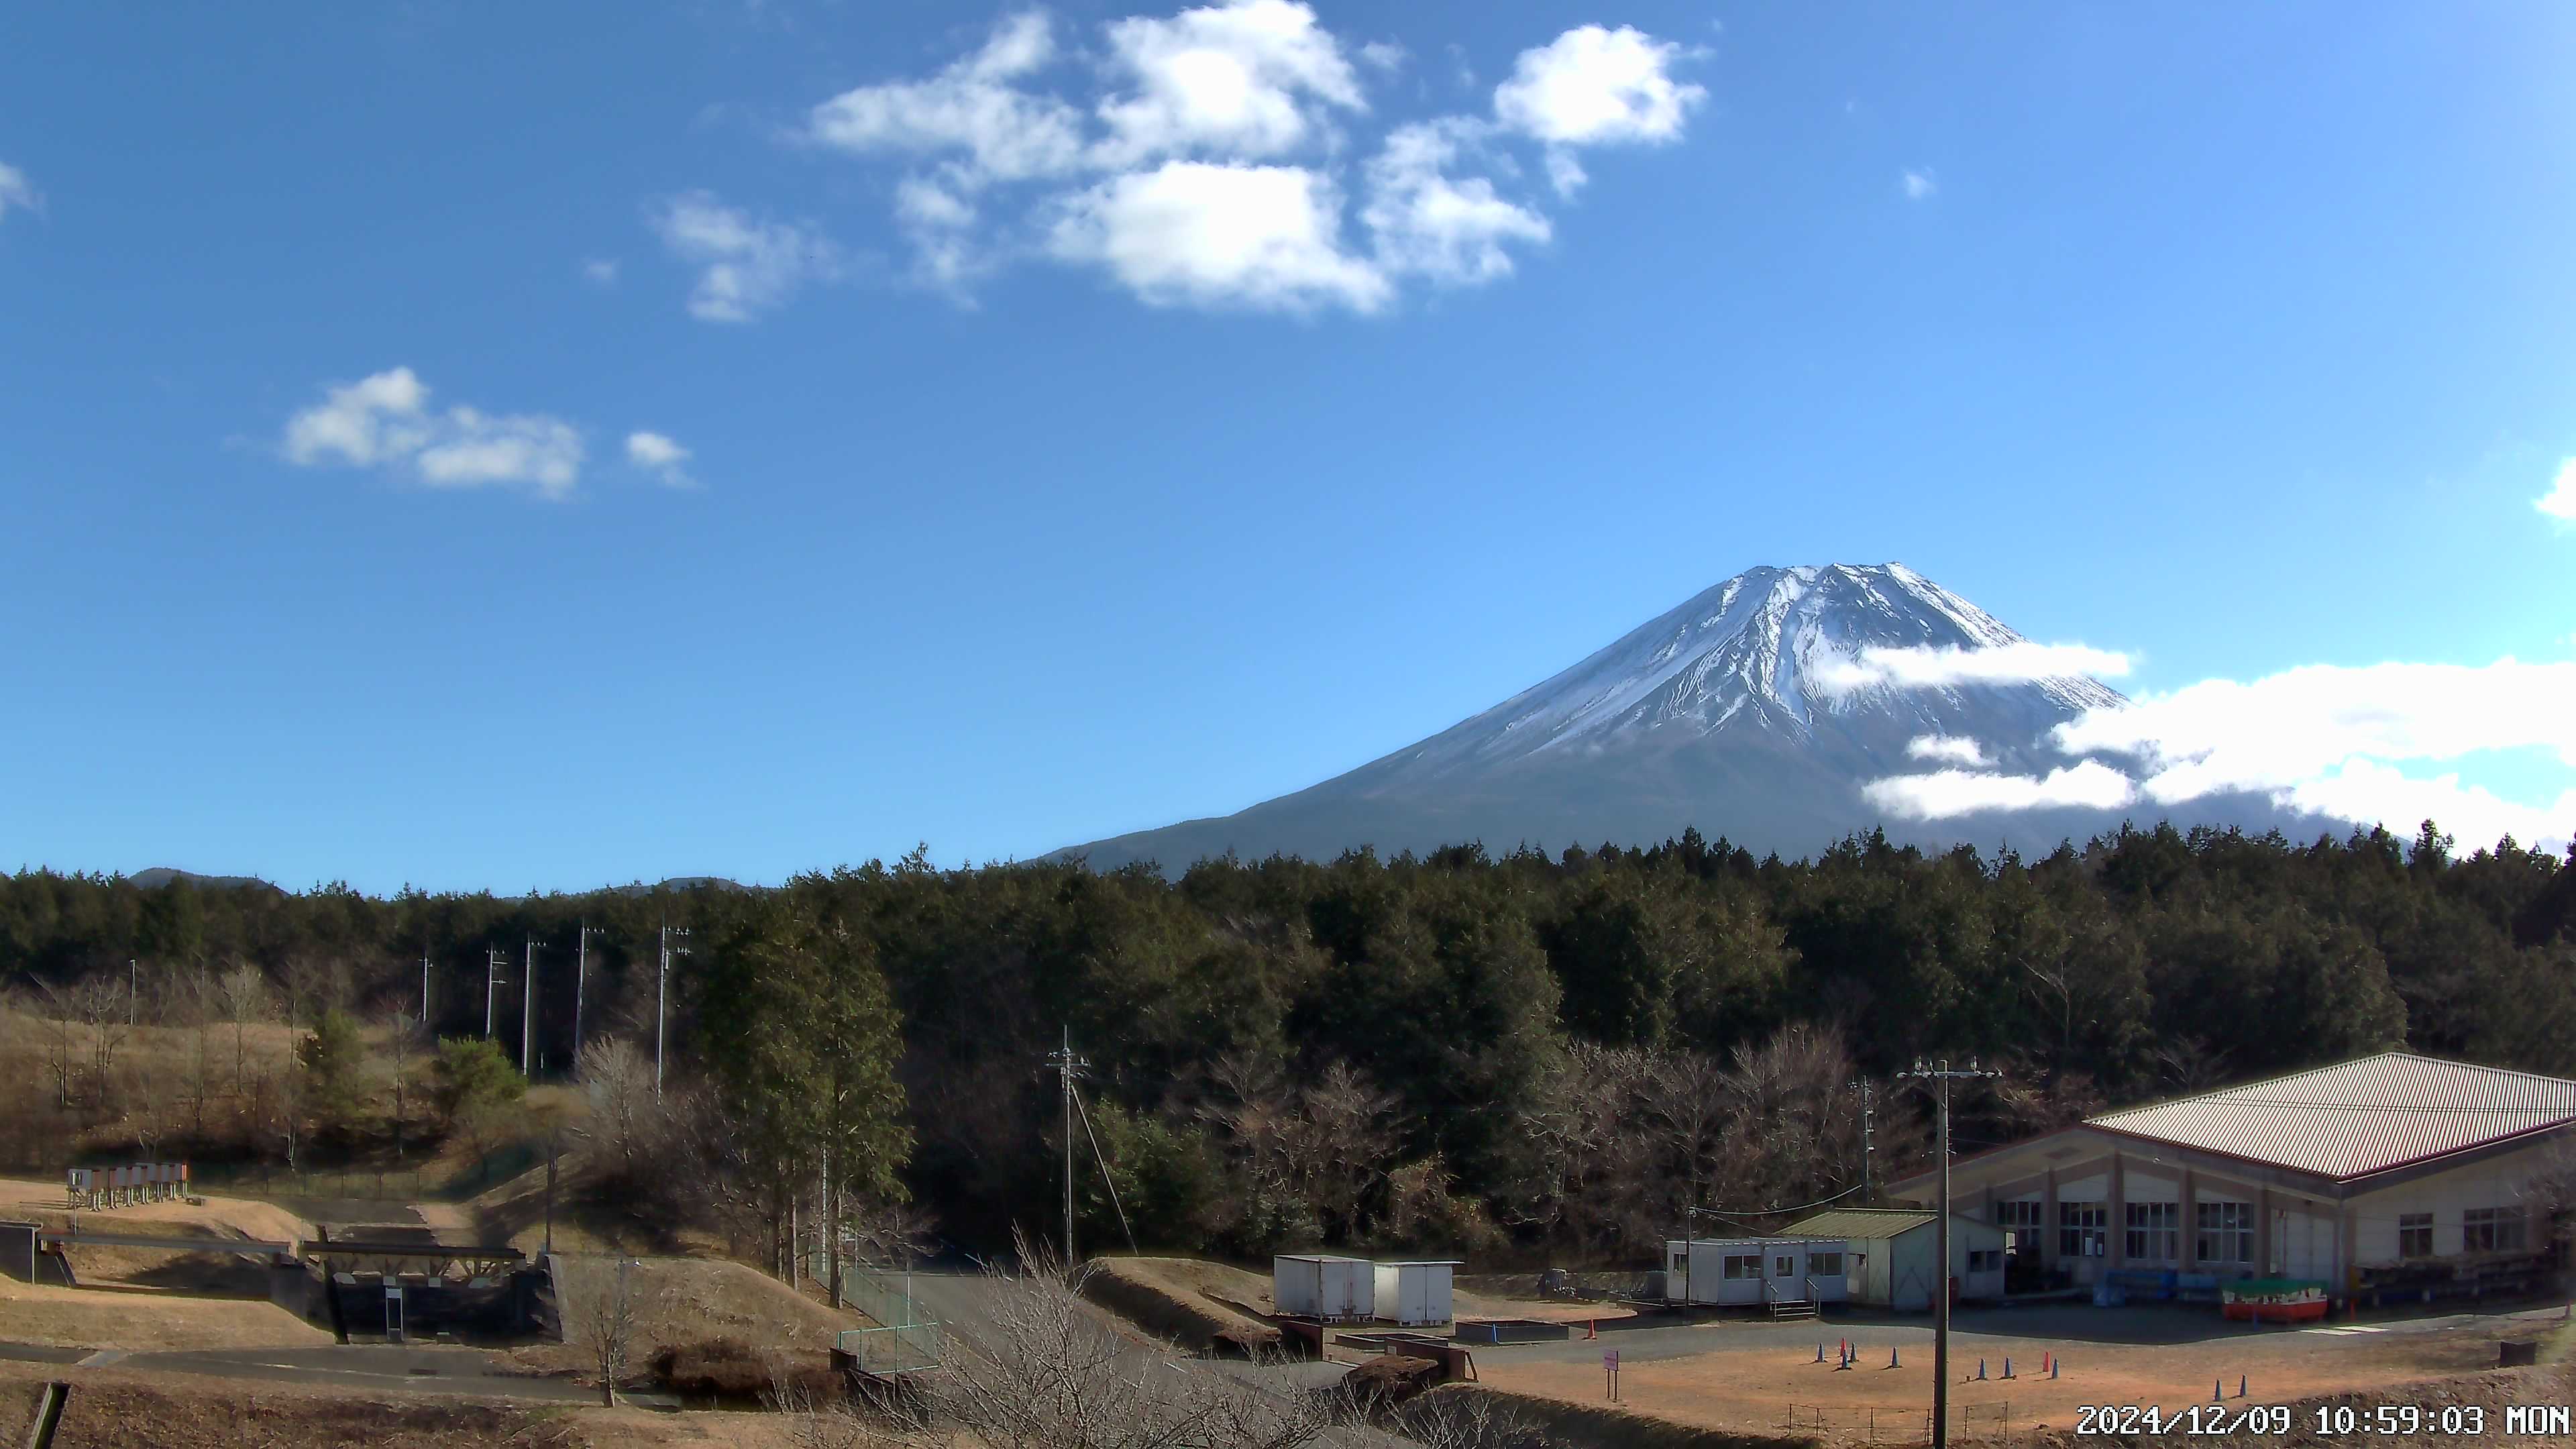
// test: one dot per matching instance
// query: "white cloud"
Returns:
(1927, 667)
(1243, 80)
(1919, 185)
(1953, 749)
(972, 106)
(2560, 500)
(1427, 223)
(665, 459)
(384, 421)
(745, 266)
(2302, 724)
(1592, 86)
(2326, 739)
(1192, 232)
(1945, 793)
(1208, 158)
(17, 191)
(602, 270)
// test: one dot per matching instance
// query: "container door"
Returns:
(393, 1313)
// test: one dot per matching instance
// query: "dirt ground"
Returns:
(1771, 1385)
(1220, 1282)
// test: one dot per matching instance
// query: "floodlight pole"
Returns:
(1941, 1072)
(661, 996)
(491, 986)
(580, 978)
(528, 1008)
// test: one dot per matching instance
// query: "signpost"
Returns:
(1610, 1372)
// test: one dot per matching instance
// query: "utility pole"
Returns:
(1067, 1067)
(528, 1008)
(424, 991)
(491, 985)
(1941, 1072)
(661, 996)
(580, 976)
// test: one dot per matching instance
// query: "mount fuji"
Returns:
(1761, 710)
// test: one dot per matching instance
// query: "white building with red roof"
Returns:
(2389, 1177)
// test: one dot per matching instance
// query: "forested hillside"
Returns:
(1560, 1053)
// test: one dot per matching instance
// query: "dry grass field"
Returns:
(688, 1300)
(1752, 1387)
(110, 1409)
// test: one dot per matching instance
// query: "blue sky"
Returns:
(1005, 428)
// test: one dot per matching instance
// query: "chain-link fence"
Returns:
(905, 1340)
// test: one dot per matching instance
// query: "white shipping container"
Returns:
(1416, 1294)
(1323, 1285)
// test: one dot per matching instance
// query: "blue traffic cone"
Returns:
(2054, 1364)
(2240, 1386)
(2214, 1395)
(2008, 1366)
(1891, 1356)
(1820, 1352)
(1981, 1370)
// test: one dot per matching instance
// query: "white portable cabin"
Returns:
(1751, 1272)
(1324, 1285)
(1894, 1250)
(1416, 1294)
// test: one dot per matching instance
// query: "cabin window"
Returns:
(1825, 1265)
(1743, 1265)
(1985, 1260)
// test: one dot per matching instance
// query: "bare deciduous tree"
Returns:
(61, 1019)
(625, 1123)
(104, 1004)
(242, 995)
(603, 1303)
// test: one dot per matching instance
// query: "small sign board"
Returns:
(1610, 1359)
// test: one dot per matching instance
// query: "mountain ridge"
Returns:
(1749, 710)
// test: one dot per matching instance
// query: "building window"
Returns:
(1825, 1265)
(2226, 1232)
(2414, 1235)
(1743, 1266)
(1985, 1260)
(2492, 1230)
(2153, 1234)
(2080, 1229)
(2021, 1225)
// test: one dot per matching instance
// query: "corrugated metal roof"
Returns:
(2357, 1117)
(1858, 1223)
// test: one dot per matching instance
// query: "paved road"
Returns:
(394, 1368)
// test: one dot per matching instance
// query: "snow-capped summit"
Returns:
(1772, 650)
(1757, 710)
